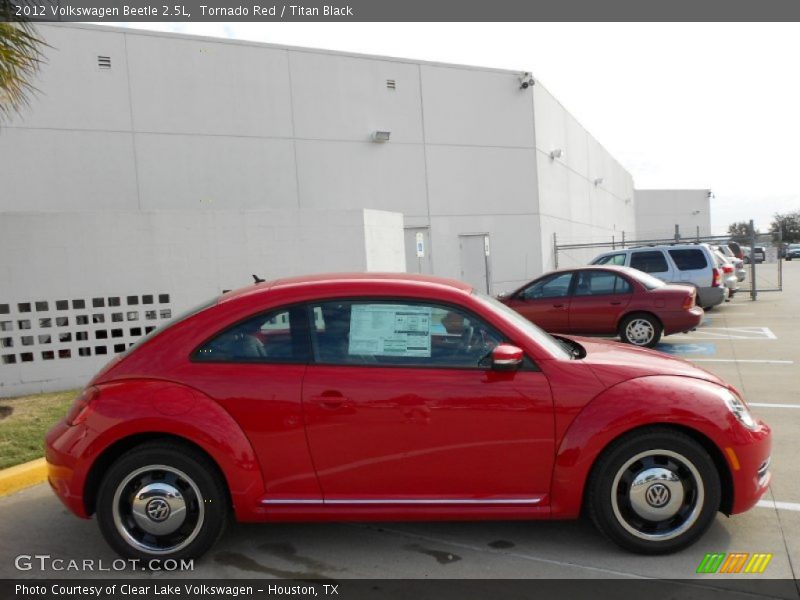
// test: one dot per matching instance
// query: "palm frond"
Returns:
(20, 58)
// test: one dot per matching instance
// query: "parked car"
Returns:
(736, 249)
(793, 251)
(757, 253)
(607, 301)
(688, 264)
(738, 264)
(729, 278)
(397, 397)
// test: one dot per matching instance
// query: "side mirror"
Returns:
(506, 357)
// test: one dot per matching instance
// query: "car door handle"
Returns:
(331, 400)
(558, 306)
(615, 302)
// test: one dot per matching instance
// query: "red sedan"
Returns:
(608, 301)
(386, 397)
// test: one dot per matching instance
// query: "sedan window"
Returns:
(400, 334)
(600, 283)
(556, 286)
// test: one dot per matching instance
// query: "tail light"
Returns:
(688, 303)
(715, 279)
(80, 407)
(727, 269)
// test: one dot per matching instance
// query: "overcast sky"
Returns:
(679, 105)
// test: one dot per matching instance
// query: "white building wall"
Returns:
(658, 211)
(573, 204)
(218, 131)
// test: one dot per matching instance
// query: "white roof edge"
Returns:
(238, 42)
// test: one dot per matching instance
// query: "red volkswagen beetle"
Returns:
(385, 397)
(608, 301)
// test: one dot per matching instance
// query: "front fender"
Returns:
(136, 407)
(654, 400)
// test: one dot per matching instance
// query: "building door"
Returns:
(418, 250)
(474, 250)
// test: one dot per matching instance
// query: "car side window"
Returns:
(600, 283)
(689, 259)
(389, 333)
(611, 259)
(279, 336)
(556, 286)
(649, 261)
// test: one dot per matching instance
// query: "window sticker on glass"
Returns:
(390, 330)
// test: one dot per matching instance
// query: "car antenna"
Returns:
(257, 279)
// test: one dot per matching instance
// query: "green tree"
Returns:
(786, 227)
(740, 232)
(20, 58)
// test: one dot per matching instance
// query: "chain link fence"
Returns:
(762, 255)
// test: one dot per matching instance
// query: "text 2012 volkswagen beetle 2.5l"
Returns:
(386, 397)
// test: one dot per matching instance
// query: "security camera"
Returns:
(526, 81)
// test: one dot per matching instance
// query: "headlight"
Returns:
(738, 408)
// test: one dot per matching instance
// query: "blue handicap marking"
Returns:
(706, 321)
(695, 348)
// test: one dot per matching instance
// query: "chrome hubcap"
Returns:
(657, 495)
(158, 509)
(640, 332)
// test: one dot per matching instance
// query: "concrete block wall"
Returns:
(82, 286)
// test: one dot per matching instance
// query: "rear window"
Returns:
(650, 261)
(689, 259)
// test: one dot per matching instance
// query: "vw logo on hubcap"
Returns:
(158, 510)
(657, 495)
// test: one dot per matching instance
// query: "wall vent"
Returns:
(391, 84)
(104, 62)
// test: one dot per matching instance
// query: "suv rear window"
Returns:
(650, 261)
(689, 259)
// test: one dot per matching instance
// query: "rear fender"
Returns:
(135, 407)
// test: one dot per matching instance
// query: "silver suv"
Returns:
(689, 264)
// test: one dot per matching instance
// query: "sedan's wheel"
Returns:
(640, 330)
(162, 500)
(654, 492)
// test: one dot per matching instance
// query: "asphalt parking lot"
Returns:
(752, 345)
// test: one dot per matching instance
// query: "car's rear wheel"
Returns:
(162, 500)
(654, 492)
(640, 329)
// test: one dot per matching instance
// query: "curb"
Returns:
(21, 476)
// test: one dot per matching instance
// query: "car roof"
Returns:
(616, 268)
(410, 281)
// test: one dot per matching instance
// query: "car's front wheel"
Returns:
(640, 329)
(654, 492)
(162, 500)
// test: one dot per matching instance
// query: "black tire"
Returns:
(640, 329)
(163, 468)
(652, 456)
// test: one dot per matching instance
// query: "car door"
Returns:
(598, 301)
(653, 262)
(255, 369)
(545, 302)
(401, 407)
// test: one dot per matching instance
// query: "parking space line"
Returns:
(744, 360)
(794, 506)
(732, 333)
(773, 405)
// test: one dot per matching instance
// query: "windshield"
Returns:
(648, 281)
(544, 339)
